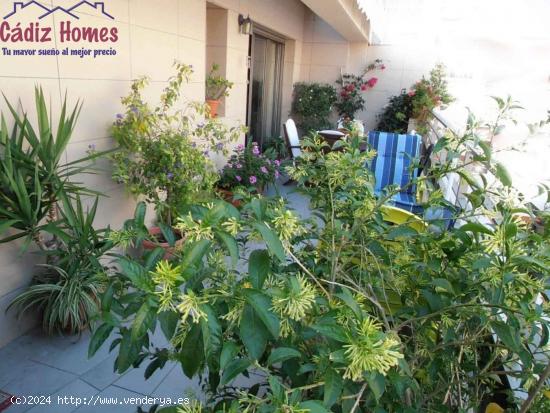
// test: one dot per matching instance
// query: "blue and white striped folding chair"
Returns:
(392, 166)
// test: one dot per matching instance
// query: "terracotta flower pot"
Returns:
(227, 195)
(150, 245)
(213, 107)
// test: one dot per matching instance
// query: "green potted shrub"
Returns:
(312, 105)
(396, 114)
(248, 168)
(163, 152)
(428, 94)
(217, 86)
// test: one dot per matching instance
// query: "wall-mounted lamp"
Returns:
(245, 24)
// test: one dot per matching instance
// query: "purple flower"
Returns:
(170, 175)
(253, 179)
(230, 165)
(219, 146)
(256, 150)
(238, 178)
(206, 153)
(240, 147)
(277, 162)
(264, 170)
(238, 166)
(193, 144)
(119, 116)
(134, 109)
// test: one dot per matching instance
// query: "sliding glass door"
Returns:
(266, 74)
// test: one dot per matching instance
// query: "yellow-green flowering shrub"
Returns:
(342, 312)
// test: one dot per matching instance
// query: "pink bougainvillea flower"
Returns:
(363, 87)
(372, 81)
(253, 179)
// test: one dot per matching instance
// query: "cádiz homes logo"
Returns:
(38, 29)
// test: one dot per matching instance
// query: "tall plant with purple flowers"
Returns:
(248, 166)
(163, 151)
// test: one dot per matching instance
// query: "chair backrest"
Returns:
(395, 153)
(292, 138)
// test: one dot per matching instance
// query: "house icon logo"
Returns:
(45, 11)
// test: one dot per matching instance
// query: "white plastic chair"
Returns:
(292, 139)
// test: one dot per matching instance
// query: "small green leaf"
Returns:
(313, 406)
(191, 355)
(230, 244)
(145, 317)
(253, 332)
(281, 354)
(377, 384)
(508, 335)
(229, 352)
(476, 228)
(98, 338)
(334, 385)
(233, 369)
(503, 175)
(258, 267)
(262, 306)
(272, 240)
(168, 322)
(443, 284)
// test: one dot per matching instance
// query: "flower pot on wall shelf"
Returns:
(213, 104)
(156, 232)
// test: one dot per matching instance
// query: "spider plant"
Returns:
(67, 289)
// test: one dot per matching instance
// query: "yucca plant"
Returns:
(67, 291)
(32, 171)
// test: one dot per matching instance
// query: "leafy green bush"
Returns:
(428, 94)
(312, 104)
(67, 290)
(344, 312)
(163, 151)
(396, 114)
(247, 167)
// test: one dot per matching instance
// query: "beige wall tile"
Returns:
(153, 53)
(159, 15)
(329, 54)
(192, 18)
(101, 103)
(193, 52)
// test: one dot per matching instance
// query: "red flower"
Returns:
(350, 87)
(343, 93)
(372, 81)
(364, 87)
(411, 93)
